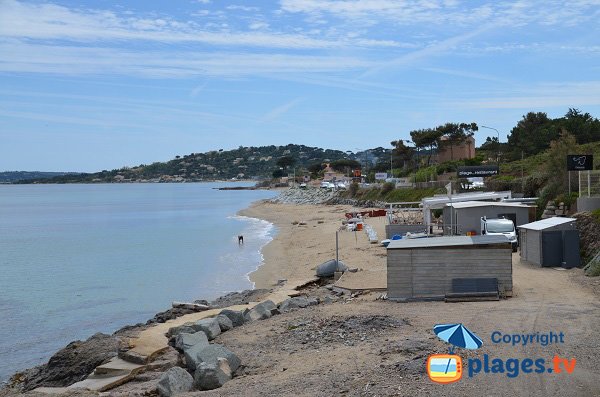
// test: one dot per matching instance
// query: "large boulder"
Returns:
(186, 328)
(176, 380)
(261, 311)
(236, 317)
(297, 302)
(209, 376)
(224, 323)
(185, 341)
(71, 364)
(210, 326)
(212, 353)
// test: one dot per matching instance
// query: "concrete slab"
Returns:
(374, 280)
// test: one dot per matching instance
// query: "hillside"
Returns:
(17, 176)
(241, 163)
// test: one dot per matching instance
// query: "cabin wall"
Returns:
(427, 273)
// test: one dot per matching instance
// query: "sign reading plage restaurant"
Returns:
(470, 171)
(580, 162)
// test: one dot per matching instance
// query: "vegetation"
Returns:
(17, 176)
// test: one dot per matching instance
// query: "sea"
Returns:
(85, 258)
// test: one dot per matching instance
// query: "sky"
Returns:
(93, 85)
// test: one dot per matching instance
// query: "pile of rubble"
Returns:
(304, 196)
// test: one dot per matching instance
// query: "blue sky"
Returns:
(92, 85)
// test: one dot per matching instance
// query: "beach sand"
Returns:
(296, 250)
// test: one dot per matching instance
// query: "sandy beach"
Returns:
(297, 249)
(357, 345)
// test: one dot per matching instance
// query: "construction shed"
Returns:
(432, 268)
(551, 242)
(466, 216)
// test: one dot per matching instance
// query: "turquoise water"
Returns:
(81, 259)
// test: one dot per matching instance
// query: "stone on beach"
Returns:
(236, 317)
(210, 326)
(196, 355)
(209, 376)
(176, 380)
(212, 353)
(261, 311)
(185, 341)
(328, 269)
(181, 329)
(224, 322)
(297, 302)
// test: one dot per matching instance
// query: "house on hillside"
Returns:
(329, 174)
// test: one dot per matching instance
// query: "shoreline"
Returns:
(305, 238)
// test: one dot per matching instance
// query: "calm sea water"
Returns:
(81, 259)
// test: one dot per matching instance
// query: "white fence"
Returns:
(589, 183)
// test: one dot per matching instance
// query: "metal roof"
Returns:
(472, 204)
(440, 200)
(547, 223)
(449, 241)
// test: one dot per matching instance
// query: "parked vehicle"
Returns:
(327, 185)
(500, 227)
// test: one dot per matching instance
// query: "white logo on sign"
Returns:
(579, 160)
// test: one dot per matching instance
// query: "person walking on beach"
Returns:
(240, 239)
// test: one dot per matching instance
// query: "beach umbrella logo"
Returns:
(458, 336)
(447, 368)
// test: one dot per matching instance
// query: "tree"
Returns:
(278, 173)
(401, 153)
(426, 138)
(344, 164)
(532, 134)
(583, 126)
(286, 161)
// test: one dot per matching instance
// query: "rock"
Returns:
(202, 302)
(198, 354)
(184, 341)
(213, 352)
(297, 302)
(181, 329)
(210, 326)
(236, 317)
(261, 311)
(330, 299)
(224, 322)
(176, 380)
(70, 364)
(133, 357)
(240, 298)
(209, 376)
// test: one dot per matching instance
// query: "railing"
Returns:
(589, 183)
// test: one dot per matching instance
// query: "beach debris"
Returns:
(224, 322)
(174, 381)
(190, 306)
(210, 326)
(330, 299)
(281, 281)
(236, 317)
(328, 268)
(185, 341)
(297, 302)
(209, 376)
(261, 311)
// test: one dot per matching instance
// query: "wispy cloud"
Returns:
(37, 58)
(280, 110)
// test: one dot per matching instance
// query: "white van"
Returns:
(500, 227)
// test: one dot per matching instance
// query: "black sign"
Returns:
(580, 162)
(470, 171)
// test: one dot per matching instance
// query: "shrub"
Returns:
(387, 187)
